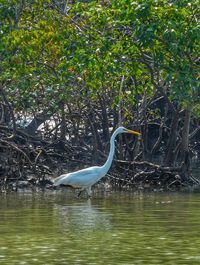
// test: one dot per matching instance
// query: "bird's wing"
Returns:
(81, 178)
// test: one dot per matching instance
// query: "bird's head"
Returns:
(124, 130)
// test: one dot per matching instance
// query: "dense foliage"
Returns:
(85, 67)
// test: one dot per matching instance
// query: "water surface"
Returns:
(116, 228)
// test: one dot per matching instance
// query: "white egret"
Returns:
(85, 178)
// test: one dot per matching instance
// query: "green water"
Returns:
(56, 228)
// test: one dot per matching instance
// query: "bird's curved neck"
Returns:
(108, 162)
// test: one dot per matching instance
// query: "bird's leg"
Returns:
(89, 192)
(79, 193)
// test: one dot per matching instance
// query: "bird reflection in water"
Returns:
(82, 217)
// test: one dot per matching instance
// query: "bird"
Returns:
(85, 178)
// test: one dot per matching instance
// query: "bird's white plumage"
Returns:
(81, 178)
(87, 177)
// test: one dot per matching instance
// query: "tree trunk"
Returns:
(170, 156)
(105, 123)
(145, 127)
(184, 150)
(63, 122)
(9, 107)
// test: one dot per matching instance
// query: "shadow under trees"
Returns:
(159, 160)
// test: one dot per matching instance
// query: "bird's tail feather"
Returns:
(56, 181)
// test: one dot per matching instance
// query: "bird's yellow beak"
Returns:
(134, 132)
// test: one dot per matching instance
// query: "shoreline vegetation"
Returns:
(31, 163)
(71, 73)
